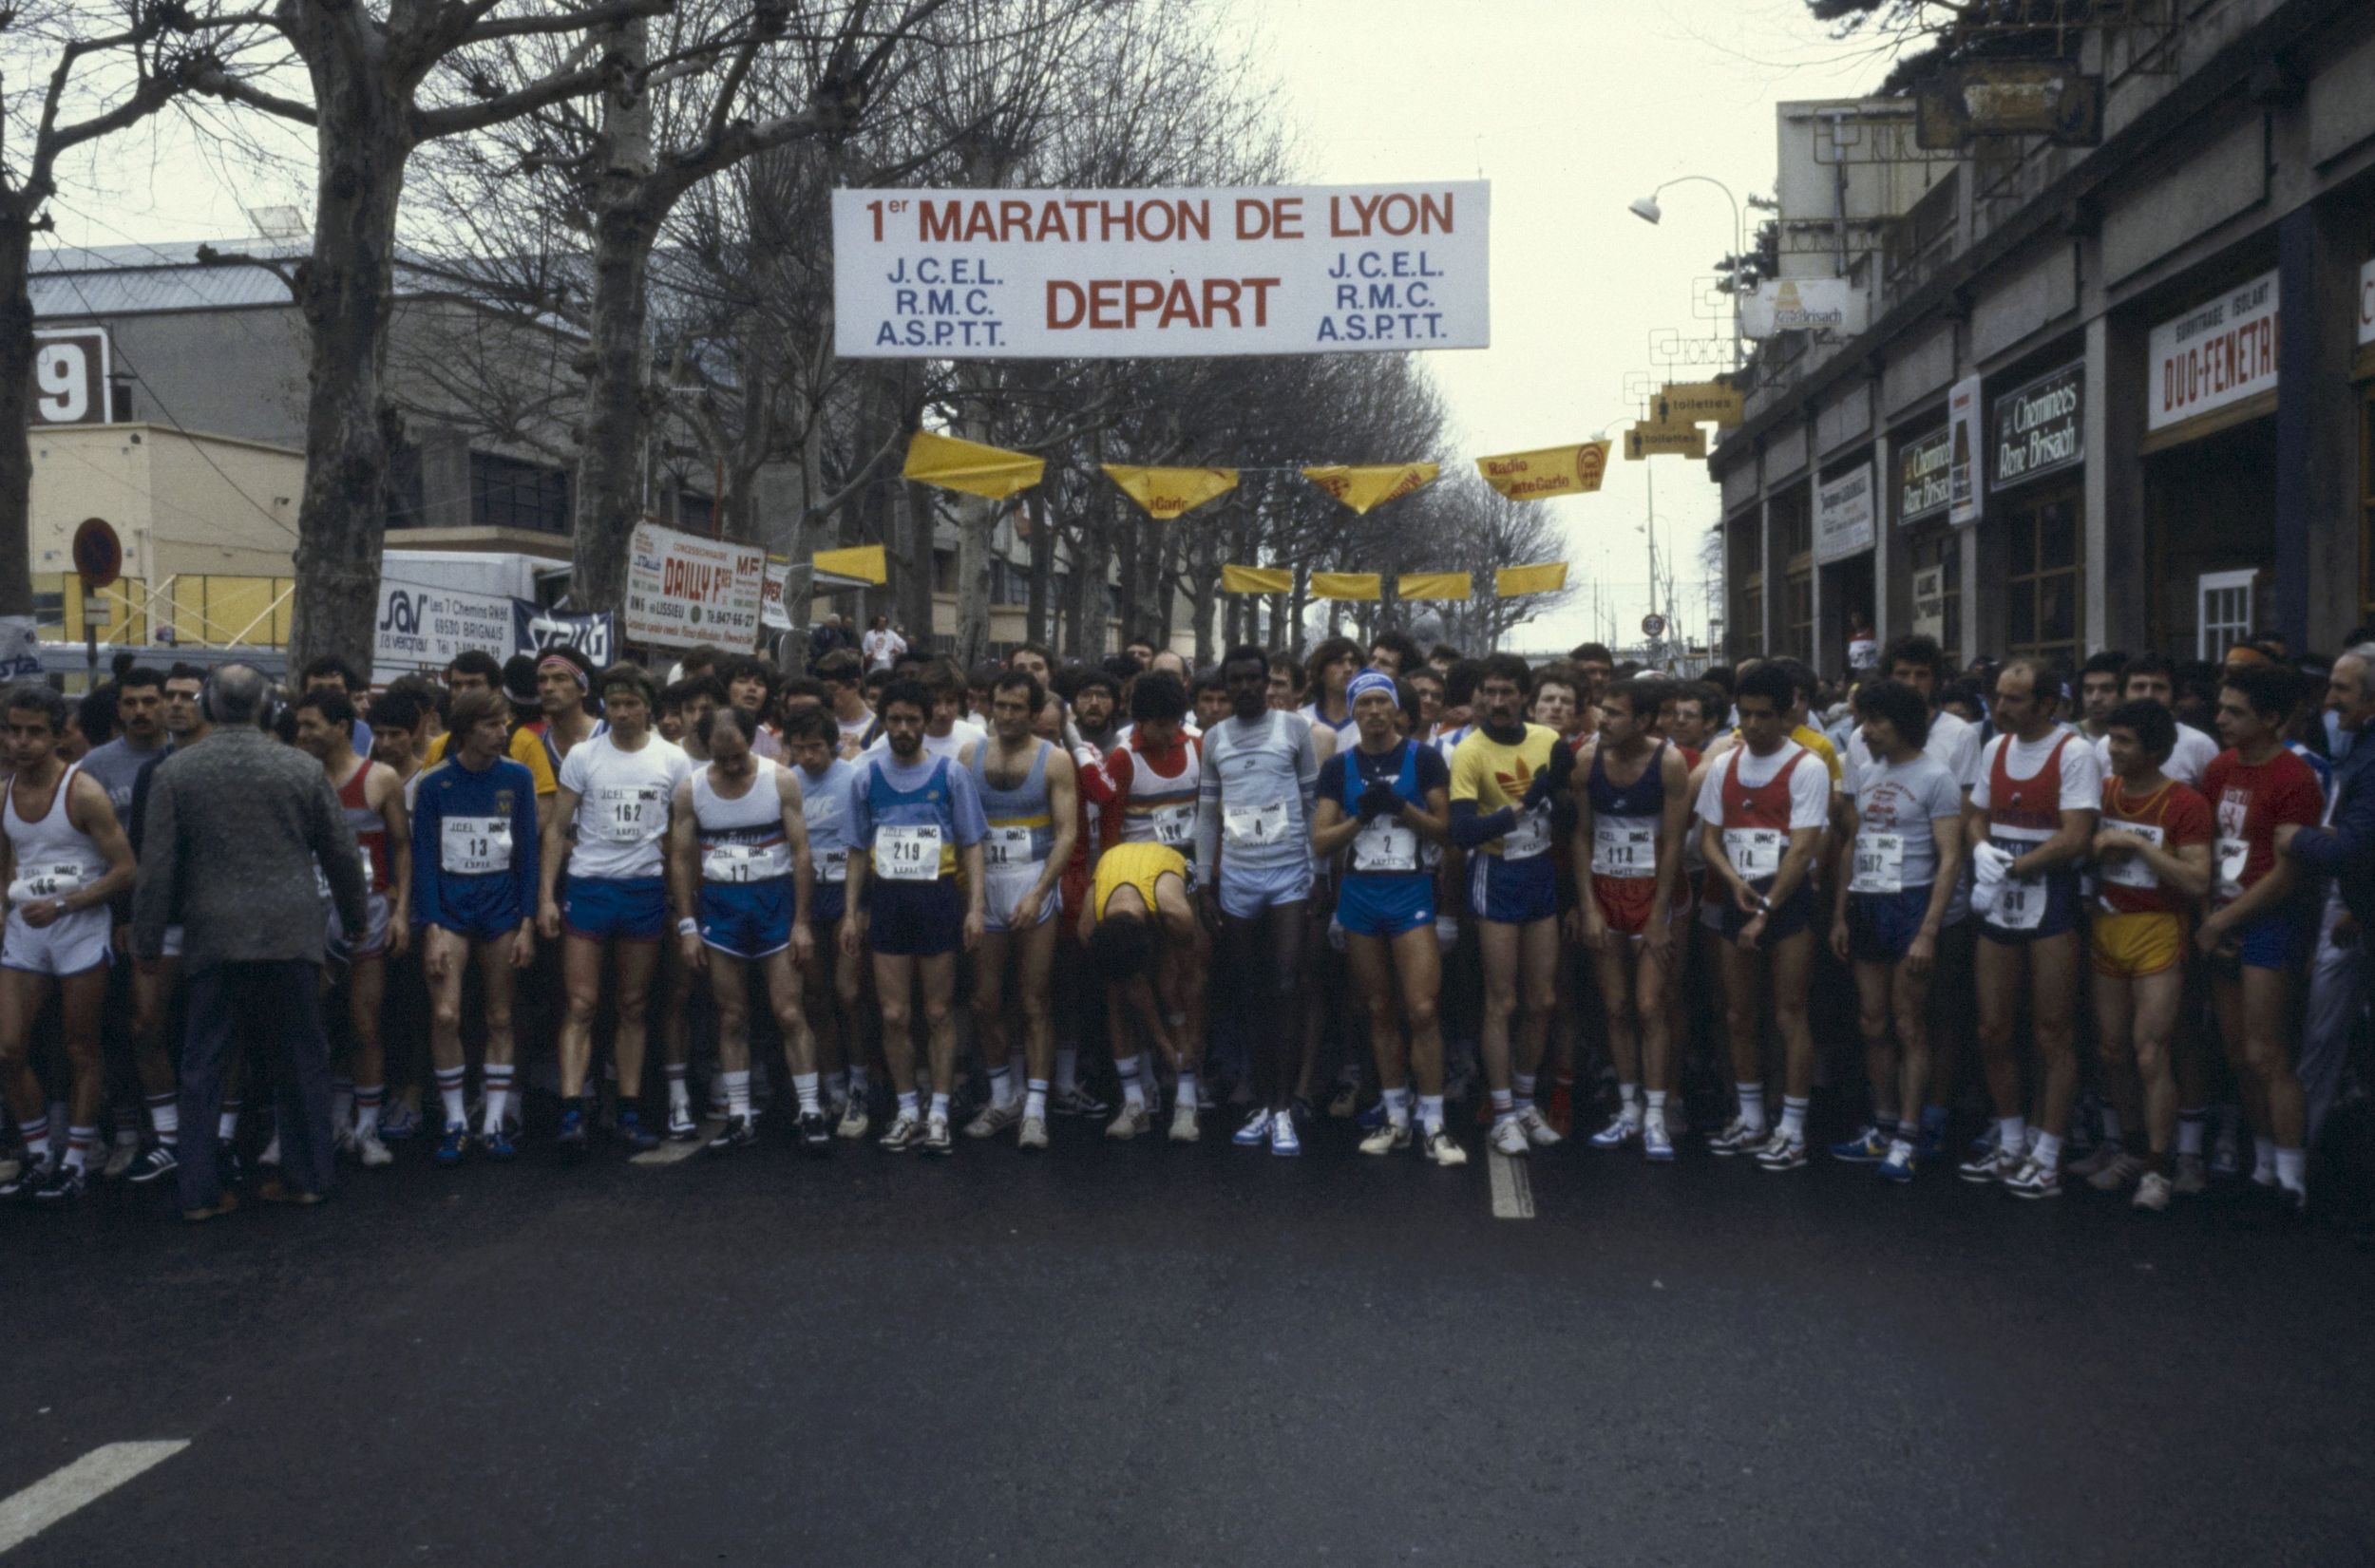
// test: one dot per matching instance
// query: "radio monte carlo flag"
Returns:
(1552, 471)
(1366, 489)
(970, 468)
(1160, 274)
(1167, 493)
(1257, 579)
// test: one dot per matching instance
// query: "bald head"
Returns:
(238, 692)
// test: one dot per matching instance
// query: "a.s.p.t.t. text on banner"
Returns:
(1143, 274)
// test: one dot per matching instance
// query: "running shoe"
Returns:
(2225, 1151)
(1538, 1132)
(854, 1120)
(994, 1118)
(1130, 1121)
(1372, 1116)
(815, 1133)
(1990, 1166)
(1390, 1139)
(398, 1122)
(632, 1132)
(736, 1134)
(1345, 1103)
(936, 1137)
(156, 1162)
(1898, 1166)
(1783, 1151)
(1076, 1101)
(1741, 1137)
(1656, 1147)
(2035, 1178)
(905, 1133)
(1440, 1149)
(497, 1145)
(570, 1144)
(1032, 1134)
(2151, 1193)
(1184, 1129)
(453, 1144)
(1283, 1137)
(2192, 1178)
(371, 1153)
(63, 1184)
(1255, 1133)
(682, 1128)
(28, 1177)
(1508, 1137)
(2103, 1157)
(1867, 1148)
(1622, 1129)
(121, 1155)
(2113, 1174)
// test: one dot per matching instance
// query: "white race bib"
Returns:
(629, 814)
(1624, 849)
(1530, 838)
(2020, 904)
(2131, 870)
(832, 865)
(907, 854)
(731, 862)
(1174, 825)
(1008, 848)
(1384, 846)
(2234, 853)
(1879, 864)
(48, 882)
(474, 846)
(1754, 852)
(1254, 826)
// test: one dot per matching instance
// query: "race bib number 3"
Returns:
(474, 846)
(907, 854)
(1879, 864)
(1623, 850)
(1754, 852)
(1252, 827)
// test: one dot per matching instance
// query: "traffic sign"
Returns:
(98, 553)
(1653, 626)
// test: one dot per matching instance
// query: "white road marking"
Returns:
(668, 1154)
(1512, 1189)
(88, 1479)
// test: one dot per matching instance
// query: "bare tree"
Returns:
(92, 70)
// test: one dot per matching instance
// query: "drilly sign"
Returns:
(2039, 428)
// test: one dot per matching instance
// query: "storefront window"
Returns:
(2043, 591)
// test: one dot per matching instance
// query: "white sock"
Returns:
(2292, 1169)
(1503, 1104)
(1133, 1092)
(940, 1106)
(1397, 1106)
(1431, 1112)
(680, 1098)
(2011, 1135)
(804, 1085)
(907, 1104)
(367, 1098)
(36, 1133)
(498, 1095)
(1067, 1069)
(78, 1143)
(2264, 1160)
(1793, 1116)
(1752, 1104)
(1628, 1099)
(449, 1095)
(738, 1091)
(1035, 1101)
(1001, 1086)
(165, 1115)
(2190, 1131)
(1186, 1092)
(1657, 1106)
(1523, 1086)
(2047, 1150)
(227, 1124)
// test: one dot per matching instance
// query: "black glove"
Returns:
(1553, 777)
(1380, 799)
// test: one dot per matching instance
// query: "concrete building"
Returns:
(2078, 418)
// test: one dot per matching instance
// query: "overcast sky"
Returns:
(1572, 108)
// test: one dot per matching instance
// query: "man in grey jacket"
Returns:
(236, 825)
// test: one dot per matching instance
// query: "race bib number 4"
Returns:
(907, 854)
(1754, 852)
(1879, 864)
(1253, 826)
(474, 846)
(1384, 846)
(1627, 850)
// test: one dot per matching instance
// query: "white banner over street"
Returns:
(1157, 273)
(684, 591)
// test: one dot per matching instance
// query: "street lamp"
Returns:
(1647, 210)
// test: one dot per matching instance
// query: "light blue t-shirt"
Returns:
(1900, 801)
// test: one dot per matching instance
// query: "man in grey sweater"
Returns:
(237, 826)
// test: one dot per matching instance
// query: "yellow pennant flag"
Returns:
(1257, 579)
(1365, 489)
(1552, 471)
(1511, 581)
(1432, 585)
(1166, 493)
(971, 468)
(864, 561)
(1346, 585)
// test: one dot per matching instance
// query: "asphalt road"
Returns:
(1150, 1355)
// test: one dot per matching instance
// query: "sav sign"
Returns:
(1155, 274)
(424, 627)
(687, 592)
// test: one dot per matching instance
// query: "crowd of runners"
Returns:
(1457, 901)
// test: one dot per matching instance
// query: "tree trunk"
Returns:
(976, 525)
(611, 491)
(913, 595)
(16, 399)
(1088, 584)
(1043, 564)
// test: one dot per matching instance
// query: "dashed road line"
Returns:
(1512, 1189)
(88, 1479)
(668, 1154)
